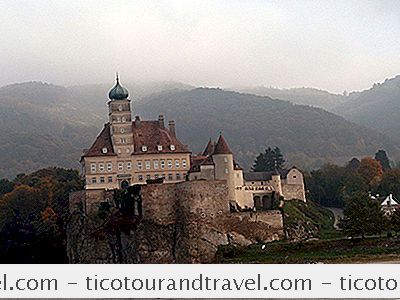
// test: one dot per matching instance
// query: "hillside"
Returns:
(306, 96)
(45, 125)
(378, 107)
(307, 136)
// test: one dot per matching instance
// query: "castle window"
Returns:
(148, 177)
(128, 165)
(170, 177)
(123, 140)
(294, 176)
(144, 148)
(147, 165)
(93, 179)
(163, 176)
(119, 151)
(104, 150)
(162, 164)
(101, 167)
(169, 164)
(178, 176)
(226, 171)
(118, 119)
(155, 176)
(102, 179)
(122, 130)
(127, 150)
(155, 164)
(225, 159)
(172, 147)
(183, 163)
(140, 177)
(109, 167)
(93, 168)
(110, 180)
(139, 164)
(120, 107)
(123, 120)
(176, 163)
(120, 166)
(159, 148)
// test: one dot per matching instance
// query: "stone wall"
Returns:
(181, 223)
(293, 191)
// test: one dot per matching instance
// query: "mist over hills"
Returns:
(303, 95)
(44, 124)
(377, 107)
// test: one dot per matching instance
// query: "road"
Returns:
(338, 213)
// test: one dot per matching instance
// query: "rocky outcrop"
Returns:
(179, 223)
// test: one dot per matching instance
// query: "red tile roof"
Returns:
(151, 135)
(222, 147)
(103, 141)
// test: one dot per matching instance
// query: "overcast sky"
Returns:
(332, 45)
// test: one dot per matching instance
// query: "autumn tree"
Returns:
(371, 170)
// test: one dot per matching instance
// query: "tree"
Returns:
(371, 170)
(6, 186)
(390, 183)
(362, 216)
(382, 157)
(395, 221)
(353, 164)
(269, 161)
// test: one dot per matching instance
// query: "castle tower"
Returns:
(277, 182)
(120, 118)
(224, 165)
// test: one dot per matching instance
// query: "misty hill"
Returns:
(308, 136)
(45, 125)
(48, 125)
(306, 96)
(378, 107)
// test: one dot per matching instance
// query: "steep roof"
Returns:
(152, 135)
(222, 146)
(389, 201)
(209, 148)
(103, 141)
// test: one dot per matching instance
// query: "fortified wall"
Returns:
(176, 223)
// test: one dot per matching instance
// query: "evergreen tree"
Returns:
(382, 157)
(268, 161)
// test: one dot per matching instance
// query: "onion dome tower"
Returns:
(120, 118)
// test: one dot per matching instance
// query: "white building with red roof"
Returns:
(130, 152)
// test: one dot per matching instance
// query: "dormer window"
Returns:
(104, 150)
(144, 148)
(172, 147)
(159, 148)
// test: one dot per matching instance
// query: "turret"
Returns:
(224, 165)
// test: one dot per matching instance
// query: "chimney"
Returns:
(161, 121)
(137, 122)
(172, 127)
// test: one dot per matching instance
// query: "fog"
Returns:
(332, 45)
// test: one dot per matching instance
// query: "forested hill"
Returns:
(46, 125)
(378, 107)
(308, 136)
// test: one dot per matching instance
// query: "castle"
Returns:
(130, 152)
(147, 199)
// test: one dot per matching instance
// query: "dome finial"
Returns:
(117, 77)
